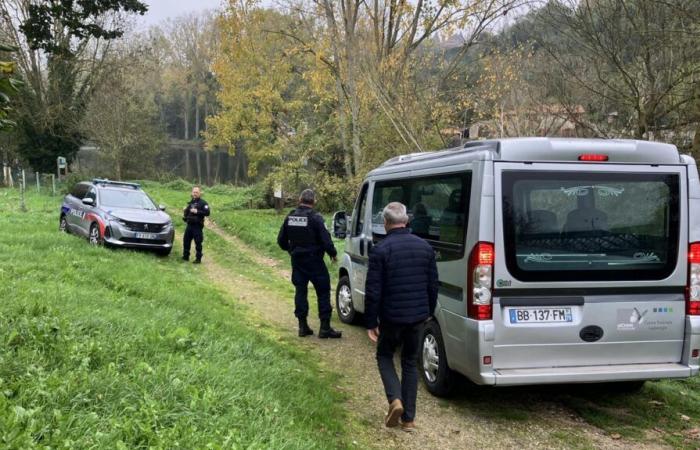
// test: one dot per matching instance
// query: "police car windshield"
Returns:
(122, 198)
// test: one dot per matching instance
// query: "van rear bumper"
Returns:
(591, 374)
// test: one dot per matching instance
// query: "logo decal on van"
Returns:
(630, 319)
(503, 283)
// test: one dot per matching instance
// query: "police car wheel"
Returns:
(437, 376)
(343, 301)
(164, 251)
(63, 225)
(94, 236)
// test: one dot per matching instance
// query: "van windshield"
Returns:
(568, 226)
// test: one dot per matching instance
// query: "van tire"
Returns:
(441, 380)
(343, 301)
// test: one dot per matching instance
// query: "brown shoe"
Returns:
(408, 427)
(395, 410)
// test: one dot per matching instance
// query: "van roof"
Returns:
(538, 149)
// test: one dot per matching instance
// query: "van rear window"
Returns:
(581, 226)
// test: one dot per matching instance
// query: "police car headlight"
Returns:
(118, 221)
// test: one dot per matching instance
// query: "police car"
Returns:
(118, 214)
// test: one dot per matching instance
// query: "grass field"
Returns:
(121, 349)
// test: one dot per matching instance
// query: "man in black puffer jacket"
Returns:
(400, 294)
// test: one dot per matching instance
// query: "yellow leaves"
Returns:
(7, 67)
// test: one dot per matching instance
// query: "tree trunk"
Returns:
(208, 165)
(188, 171)
(198, 151)
(231, 167)
(695, 149)
(196, 119)
(187, 121)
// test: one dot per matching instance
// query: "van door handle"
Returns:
(362, 247)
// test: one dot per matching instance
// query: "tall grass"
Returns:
(118, 349)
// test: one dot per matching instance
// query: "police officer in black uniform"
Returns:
(305, 237)
(193, 214)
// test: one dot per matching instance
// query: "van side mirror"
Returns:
(88, 201)
(340, 225)
(161, 207)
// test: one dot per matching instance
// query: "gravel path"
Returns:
(480, 418)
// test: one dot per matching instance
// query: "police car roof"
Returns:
(535, 150)
(115, 184)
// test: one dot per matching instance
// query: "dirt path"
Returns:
(442, 424)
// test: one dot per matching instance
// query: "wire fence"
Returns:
(25, 180)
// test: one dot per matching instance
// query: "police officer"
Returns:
(193, 214)
(305, 237)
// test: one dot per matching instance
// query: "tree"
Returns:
(122, 118)
(636, 60)
(8, 86)
(62, 56)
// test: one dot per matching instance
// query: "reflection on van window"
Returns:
(586, 226)
(437, 206)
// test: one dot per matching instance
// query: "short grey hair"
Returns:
(395, 213)
(307, 196)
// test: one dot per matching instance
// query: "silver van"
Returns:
(560, 260)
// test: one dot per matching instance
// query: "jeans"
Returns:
(311, 268)
(392, 336)
(193, 232)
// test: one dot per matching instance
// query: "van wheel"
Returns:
(439, 379)
(343, 301)
(94, 236)
(63, 225)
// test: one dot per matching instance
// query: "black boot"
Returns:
(327, 332)
(304, 329)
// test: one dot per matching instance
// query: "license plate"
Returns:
(539, 315)
(145, 236)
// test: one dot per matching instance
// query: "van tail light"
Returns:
(692, 291)
(480, 282)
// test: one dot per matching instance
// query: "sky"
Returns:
(159, 10)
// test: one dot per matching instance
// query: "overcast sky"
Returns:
(159, 10)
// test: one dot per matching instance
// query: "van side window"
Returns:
(437, 206)
(360, 209)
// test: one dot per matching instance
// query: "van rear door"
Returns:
(591, 264)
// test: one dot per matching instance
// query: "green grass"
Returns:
(110, 348)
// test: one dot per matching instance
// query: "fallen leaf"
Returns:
(656, 403)
(616, 436)
(685, 418)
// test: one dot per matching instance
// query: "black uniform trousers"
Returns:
(391, 337)
(310, 267)
(193, 231)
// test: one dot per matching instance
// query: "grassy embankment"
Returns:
(664, 410)
(105, 349)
